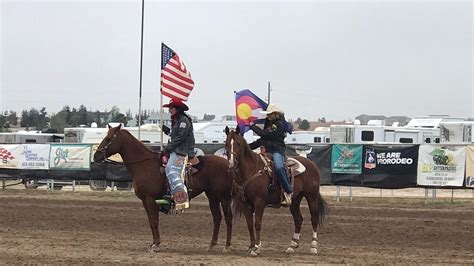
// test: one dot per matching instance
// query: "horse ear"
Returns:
(108, 125)
(120, 126)
(226, 130)
(237, 129)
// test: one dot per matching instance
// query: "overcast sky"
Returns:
(333, 59)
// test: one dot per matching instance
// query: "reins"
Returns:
(242, 187)
(107, 160)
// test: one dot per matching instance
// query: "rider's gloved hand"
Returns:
(165, 129)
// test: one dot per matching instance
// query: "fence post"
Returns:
(73, 185)
(350, 194)
(452, 196)
(338, 193)
(426, 196)
(112, 186)
(3, 184)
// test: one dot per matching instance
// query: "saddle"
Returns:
(293, 168)
(192, 166)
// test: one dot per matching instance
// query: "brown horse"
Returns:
(150, 183)
(254, 176)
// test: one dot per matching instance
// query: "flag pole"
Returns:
(161, 101)
(141, 73)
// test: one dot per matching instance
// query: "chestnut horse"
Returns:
(254, 176)
(150, 183)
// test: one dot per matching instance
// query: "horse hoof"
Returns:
(226, 249)
(252, 253)
(313, 251)
(154, 248)
(210, 248)
(290, 250)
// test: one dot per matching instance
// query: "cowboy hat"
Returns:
(176, 103)
(272, 109)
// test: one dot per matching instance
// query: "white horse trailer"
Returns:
(457, 132)
(382, 134)
(307, 137)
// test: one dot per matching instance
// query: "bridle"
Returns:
(106, 146)
(107, 160)
(234, 168)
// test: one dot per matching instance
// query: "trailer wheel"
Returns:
(31, 184)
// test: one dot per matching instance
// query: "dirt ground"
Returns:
(64, 227)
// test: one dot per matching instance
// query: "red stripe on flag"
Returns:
(176, 72)
(178, 82)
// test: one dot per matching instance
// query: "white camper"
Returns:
(382, 134)
(307, 137)
(457, 132)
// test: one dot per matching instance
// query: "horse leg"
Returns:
(226, 208)
(248, 212)
(259, 208)
(216, 218)
(314, 210)
(298, 221)
(153, 219)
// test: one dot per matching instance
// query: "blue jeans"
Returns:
(173, 170)
(280, 171)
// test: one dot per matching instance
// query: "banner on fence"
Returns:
(383, 159)
(116, 157)
(441, 165)
(70, 156)
(470, 166)
(346, 159)
(34, 156)
(9, 155)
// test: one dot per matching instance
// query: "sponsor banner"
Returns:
(116, 157)
(470, 166)
(34, 156)
(441, 165)
(384, 159)
(346, 159)
(70, 156)
(9, 155)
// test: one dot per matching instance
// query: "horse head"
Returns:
(110, 145)
(235, 146)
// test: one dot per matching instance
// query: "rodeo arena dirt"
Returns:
(372, 227)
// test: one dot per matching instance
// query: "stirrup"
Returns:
(165, 200)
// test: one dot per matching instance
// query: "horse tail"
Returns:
(322, 207)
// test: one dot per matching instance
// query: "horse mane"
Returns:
(136, 141)
(247, 151)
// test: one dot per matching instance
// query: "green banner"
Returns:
(346, 159)
(70, 156)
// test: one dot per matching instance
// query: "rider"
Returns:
(181, 144)
(272, 138)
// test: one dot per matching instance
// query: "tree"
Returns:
(208, 117)
(83, 116)
(3, 121)
(304, 125)
(58, 121)
(298, 121)
(12, 118)
(42, 121)
(24, 118)
(322, 119)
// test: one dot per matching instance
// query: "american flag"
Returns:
(176, 81)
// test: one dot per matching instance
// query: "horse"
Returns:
(253, 176)
(149, 182)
